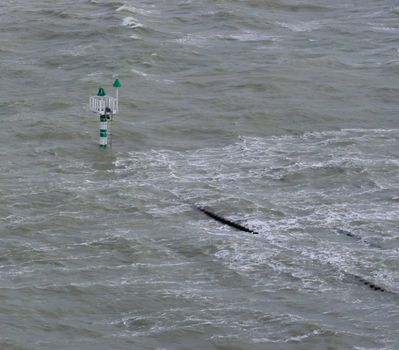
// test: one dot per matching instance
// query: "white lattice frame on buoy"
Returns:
(99, 104)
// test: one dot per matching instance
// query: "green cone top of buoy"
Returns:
(101, 92)
(117, 84)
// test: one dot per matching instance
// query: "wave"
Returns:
(133, 9)
(301, 7)
(132, 23)
(302, 26)
(249, 36)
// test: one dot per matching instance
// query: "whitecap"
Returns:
(151, 77)
(131, 23)
(140, 73)
(252, 36)
(133, 9)
(384, 29)
(195, 39)
(301, 26)
(135, 37)
(78, 50)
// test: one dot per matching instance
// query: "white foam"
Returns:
(140, 73)
(133, 9)
(131, 22)
(151, 77)
(195, 39)
(301, 26)
(135, 37)
(253, 36)
(384, 29)
(78, 50)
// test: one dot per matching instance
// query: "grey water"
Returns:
(280, 115)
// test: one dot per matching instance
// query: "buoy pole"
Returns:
(104, 130)
(117, 84)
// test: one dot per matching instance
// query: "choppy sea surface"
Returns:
(280, 115)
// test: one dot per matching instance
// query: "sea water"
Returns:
(280, 115)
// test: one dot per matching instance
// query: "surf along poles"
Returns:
(106, 107)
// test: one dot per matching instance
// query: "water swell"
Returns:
(304, 7)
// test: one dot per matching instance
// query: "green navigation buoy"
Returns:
(106, 107)
(101, 92)
(117, 84)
